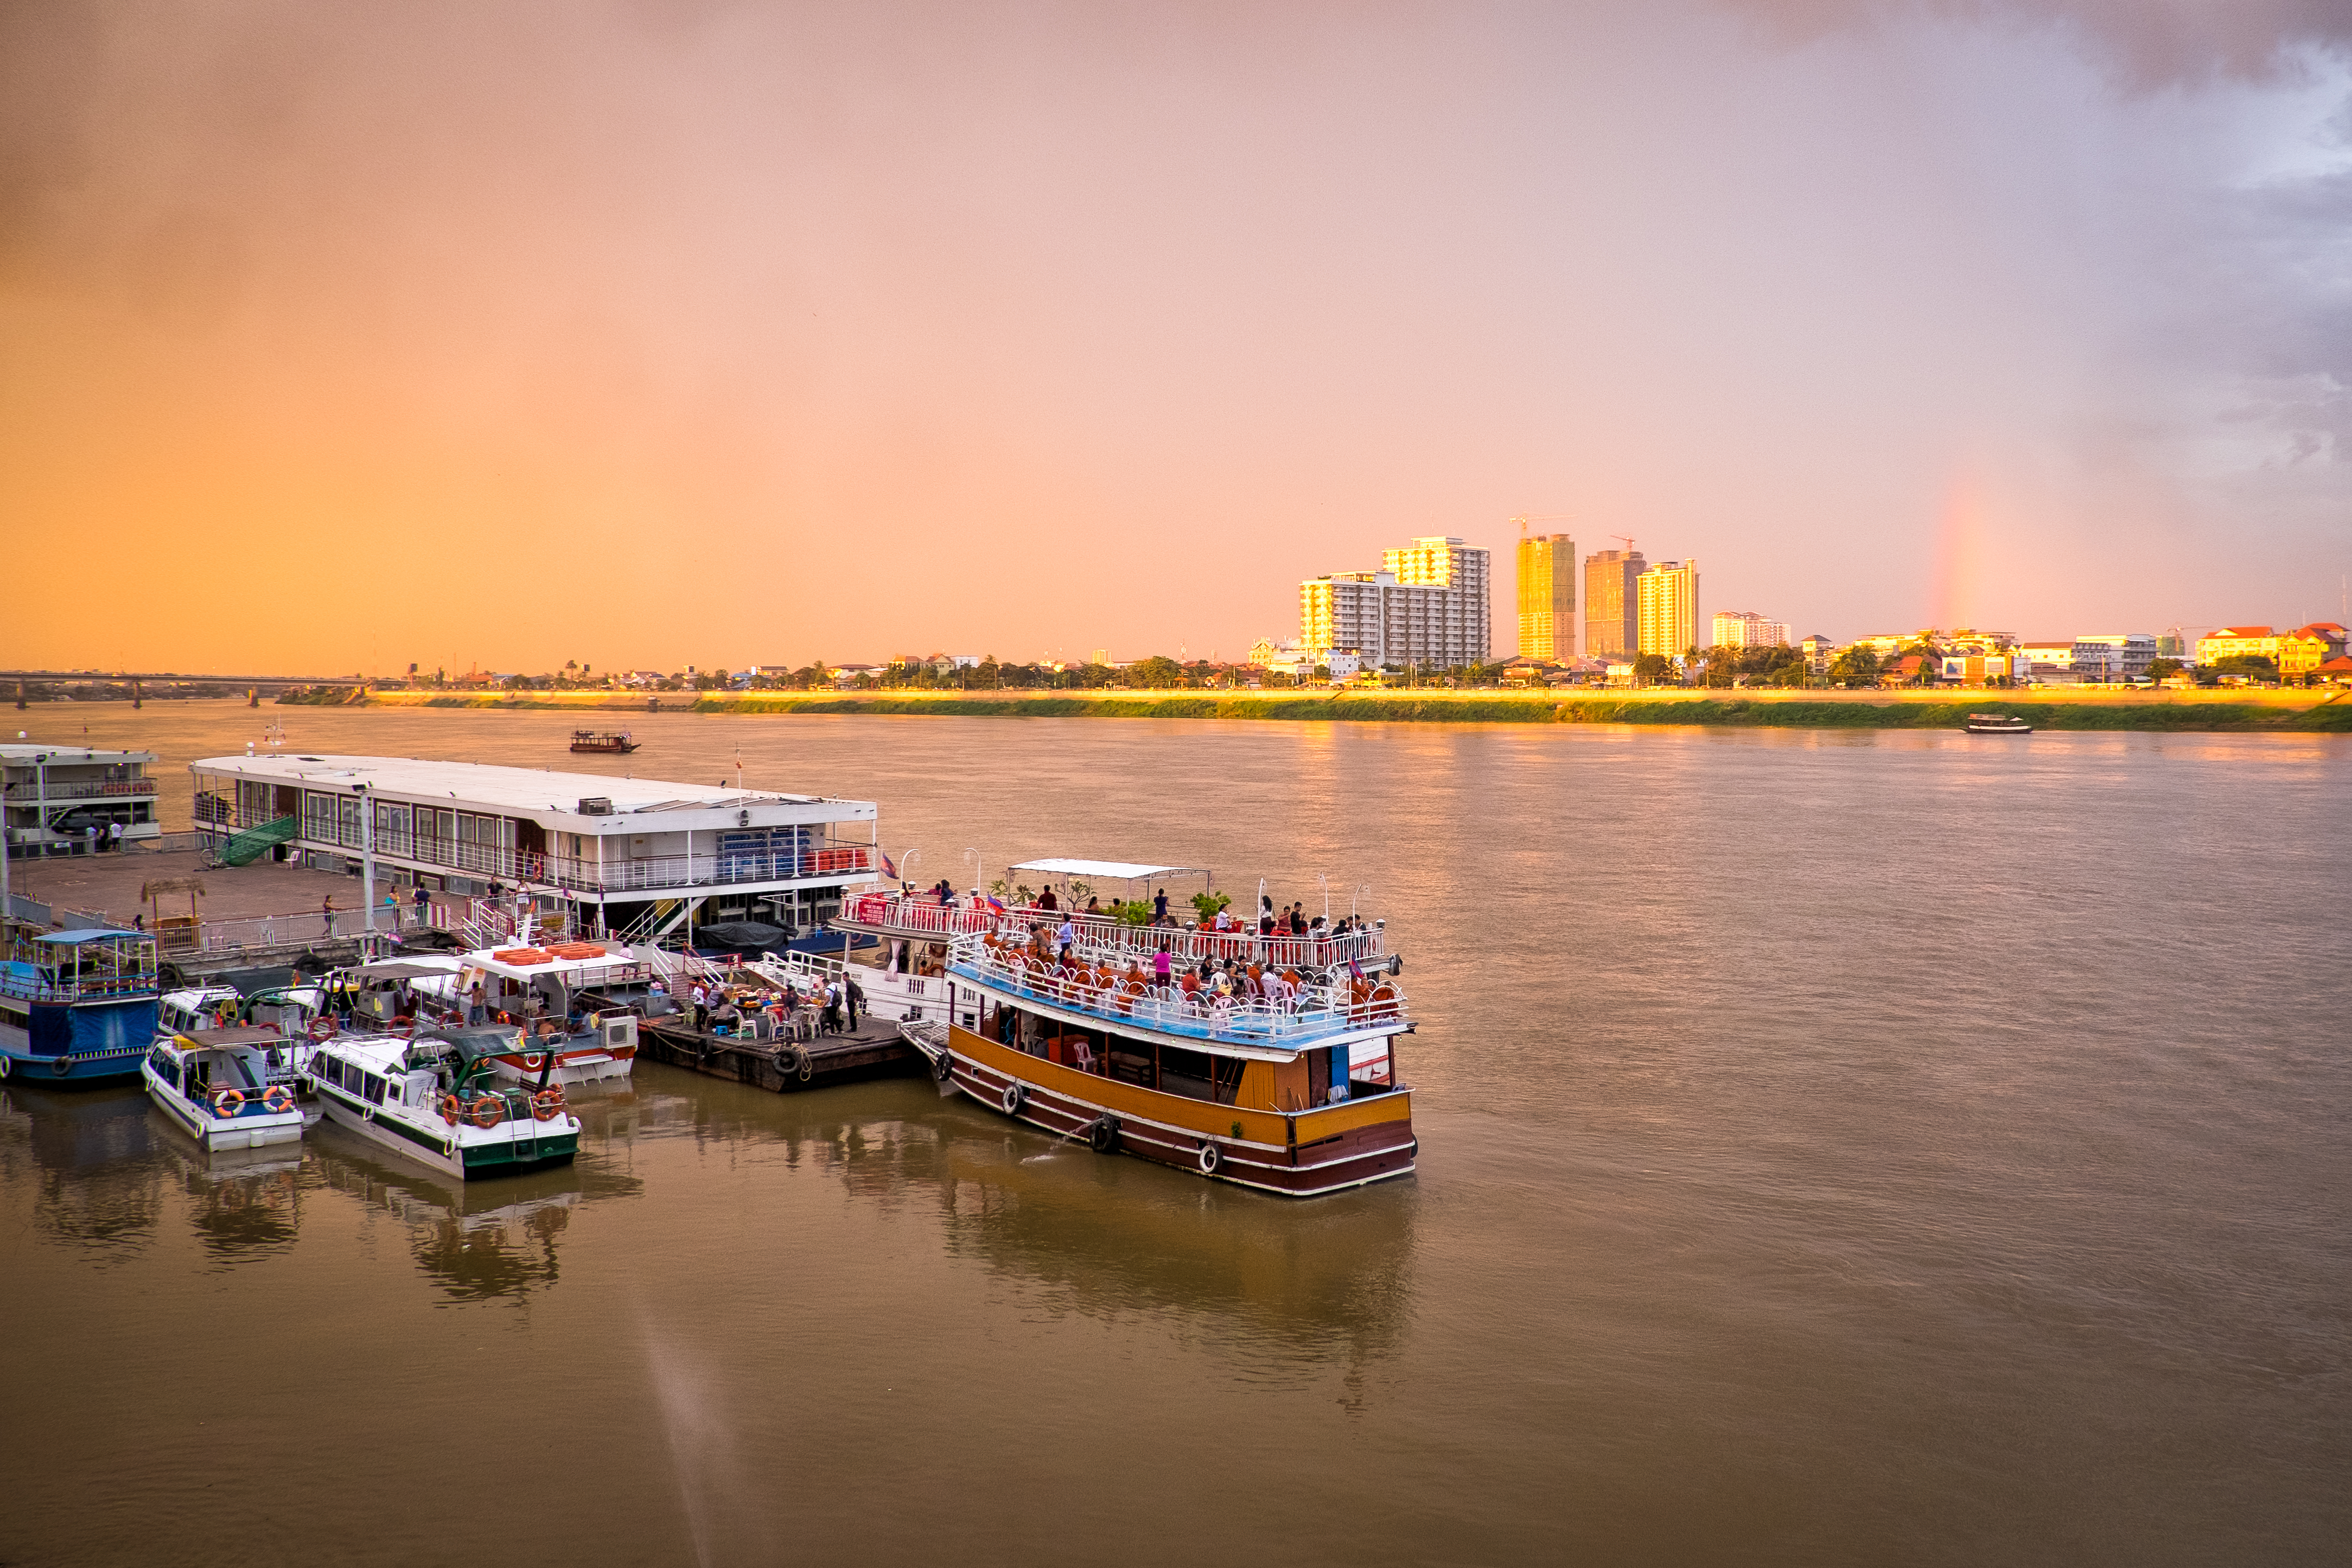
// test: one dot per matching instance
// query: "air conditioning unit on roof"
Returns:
(595, 806)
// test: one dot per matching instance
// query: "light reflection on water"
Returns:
(1836, 1147)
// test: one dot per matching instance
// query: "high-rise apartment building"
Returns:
(1668, 608)
(1746, 628)
(1613, 625)
(1548, 596)
(1427, 605)
(1442, 560)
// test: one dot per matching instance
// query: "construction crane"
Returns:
(1526, 518)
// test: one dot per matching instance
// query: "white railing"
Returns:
(921, 916)
(89, 789)
(1315, 1013)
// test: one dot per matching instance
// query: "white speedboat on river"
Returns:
(234, 1088)
(436, 1100)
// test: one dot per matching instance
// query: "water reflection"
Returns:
(475, 1240)
(244, 1204)
(97, 1160)
(1091, 1235)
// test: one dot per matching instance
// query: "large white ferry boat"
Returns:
(1262, 1057)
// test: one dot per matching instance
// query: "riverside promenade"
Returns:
(2286, 710)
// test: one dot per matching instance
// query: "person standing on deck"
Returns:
(1159, 908)
(327, 912)
(701, 999)
(856, 1000)
(420, 900)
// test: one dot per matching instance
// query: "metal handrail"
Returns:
(64, 789)
(927, 916)
(1317, 1014)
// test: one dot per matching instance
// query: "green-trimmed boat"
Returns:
(436, 1100)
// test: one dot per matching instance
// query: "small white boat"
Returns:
(603, 1047)
(237, 1088)
(1996, 724)
(436, 1100)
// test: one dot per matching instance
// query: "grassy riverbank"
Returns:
(2282, 711)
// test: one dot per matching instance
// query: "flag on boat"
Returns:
(995, 903)
(888, 869)
(1355, 969)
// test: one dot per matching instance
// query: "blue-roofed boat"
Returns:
(77, 1008)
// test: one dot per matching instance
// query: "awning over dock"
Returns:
(1120, 870)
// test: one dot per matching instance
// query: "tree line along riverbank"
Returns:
(2281, 712)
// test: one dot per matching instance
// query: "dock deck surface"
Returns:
(874, 1049)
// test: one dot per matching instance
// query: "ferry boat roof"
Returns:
(234, 1035)
(613, 957)
(76, 938)
(1121, 870)
(534, 790)
(403, 969)
(19, 754)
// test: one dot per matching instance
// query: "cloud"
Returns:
(2152, 43)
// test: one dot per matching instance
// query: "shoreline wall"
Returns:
(2284, 711)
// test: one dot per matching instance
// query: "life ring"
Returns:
(452, 1107)
(319, 1028)
(547, 1105)
(62, 1066)
(277, 1098)
(944, 1067)
(533, 1060)
(1014, 1098)
(7, 1065)
(228, 1103)
(488, 1111)
(1103, 1136)
(1211, 1158)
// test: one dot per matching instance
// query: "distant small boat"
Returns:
(1996, 724)
(616, 741)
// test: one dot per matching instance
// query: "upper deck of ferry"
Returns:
(588, 836)
(923, 917)
(93, 965)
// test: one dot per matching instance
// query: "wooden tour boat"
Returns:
(77, 1008)
(615, 742)
(1996, 724)
(1264, 1060)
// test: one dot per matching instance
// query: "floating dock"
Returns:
(874, 1049)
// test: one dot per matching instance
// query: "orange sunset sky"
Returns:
(335, 337)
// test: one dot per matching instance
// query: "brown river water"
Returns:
(1874, 1147)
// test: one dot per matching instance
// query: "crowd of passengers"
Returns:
(1195, 989)
(1271, 922)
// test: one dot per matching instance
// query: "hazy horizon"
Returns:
(649, 334)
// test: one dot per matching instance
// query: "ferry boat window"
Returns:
(1186, 1072)
(165, 1068)
(373, 1088)
(334, 1071)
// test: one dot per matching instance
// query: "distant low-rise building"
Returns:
(1820, 653)
(2303, 651)
(2114, 655)
(2238, 642)
(2048, 661)
(1746, 628)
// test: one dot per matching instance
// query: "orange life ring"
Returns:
(277, 1098)
(452, 1107)
(488, 1111)
(319, 1028)
(533, 1060)
(547, 1105)
(226, 1103)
